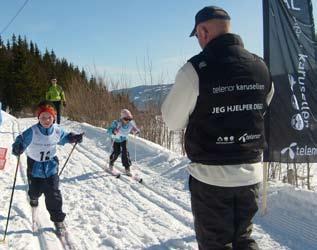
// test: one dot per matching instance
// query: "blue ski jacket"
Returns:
(41, 169)
(120, 131)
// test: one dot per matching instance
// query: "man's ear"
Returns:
(199, 30)
(204, 32)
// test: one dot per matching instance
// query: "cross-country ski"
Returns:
(113, 172)
(35, 226)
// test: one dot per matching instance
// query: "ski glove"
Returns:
(78, 138)
(17, 149)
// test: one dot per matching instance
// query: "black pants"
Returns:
(120, 147)
(57, 105)
(50, 188)
(223, 215)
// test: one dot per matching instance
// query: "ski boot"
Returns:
(110, 167)
(128, 172)
(60, 228)
(34, 202)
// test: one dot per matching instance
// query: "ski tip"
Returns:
(118, 176)
(141, 180)
(4, 245)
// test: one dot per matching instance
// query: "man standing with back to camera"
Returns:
(220, 96)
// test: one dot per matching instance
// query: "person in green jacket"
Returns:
(56, 95)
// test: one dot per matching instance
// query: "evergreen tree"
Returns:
(25, 73)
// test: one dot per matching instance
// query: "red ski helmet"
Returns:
(46, 106)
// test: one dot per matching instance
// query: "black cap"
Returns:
(207, 13)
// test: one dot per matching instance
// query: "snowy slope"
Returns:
(144, 95)
(108, 213)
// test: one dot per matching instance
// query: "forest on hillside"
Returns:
(25, 74)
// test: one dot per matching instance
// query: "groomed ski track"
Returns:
(104, 212)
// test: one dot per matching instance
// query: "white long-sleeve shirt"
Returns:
(176, 109)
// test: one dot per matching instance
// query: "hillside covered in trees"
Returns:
(25, 74)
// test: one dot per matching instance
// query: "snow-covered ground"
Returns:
(108, 213)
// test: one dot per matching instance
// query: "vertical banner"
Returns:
(290, 52)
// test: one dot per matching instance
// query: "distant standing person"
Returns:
(221, 96)
(56, 95)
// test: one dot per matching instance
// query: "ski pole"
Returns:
(67, 159)
(135, 149)
(135, 162)
(111, 149)
(11, 199)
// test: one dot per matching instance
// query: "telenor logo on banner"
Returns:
(294, 150)
(290, 150)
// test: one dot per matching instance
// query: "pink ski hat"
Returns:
(125, 113)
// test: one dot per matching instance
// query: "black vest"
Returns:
(227, 124)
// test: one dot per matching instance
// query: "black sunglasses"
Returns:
(127, 119)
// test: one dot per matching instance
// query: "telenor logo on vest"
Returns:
(294, 150)
(245, 137)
